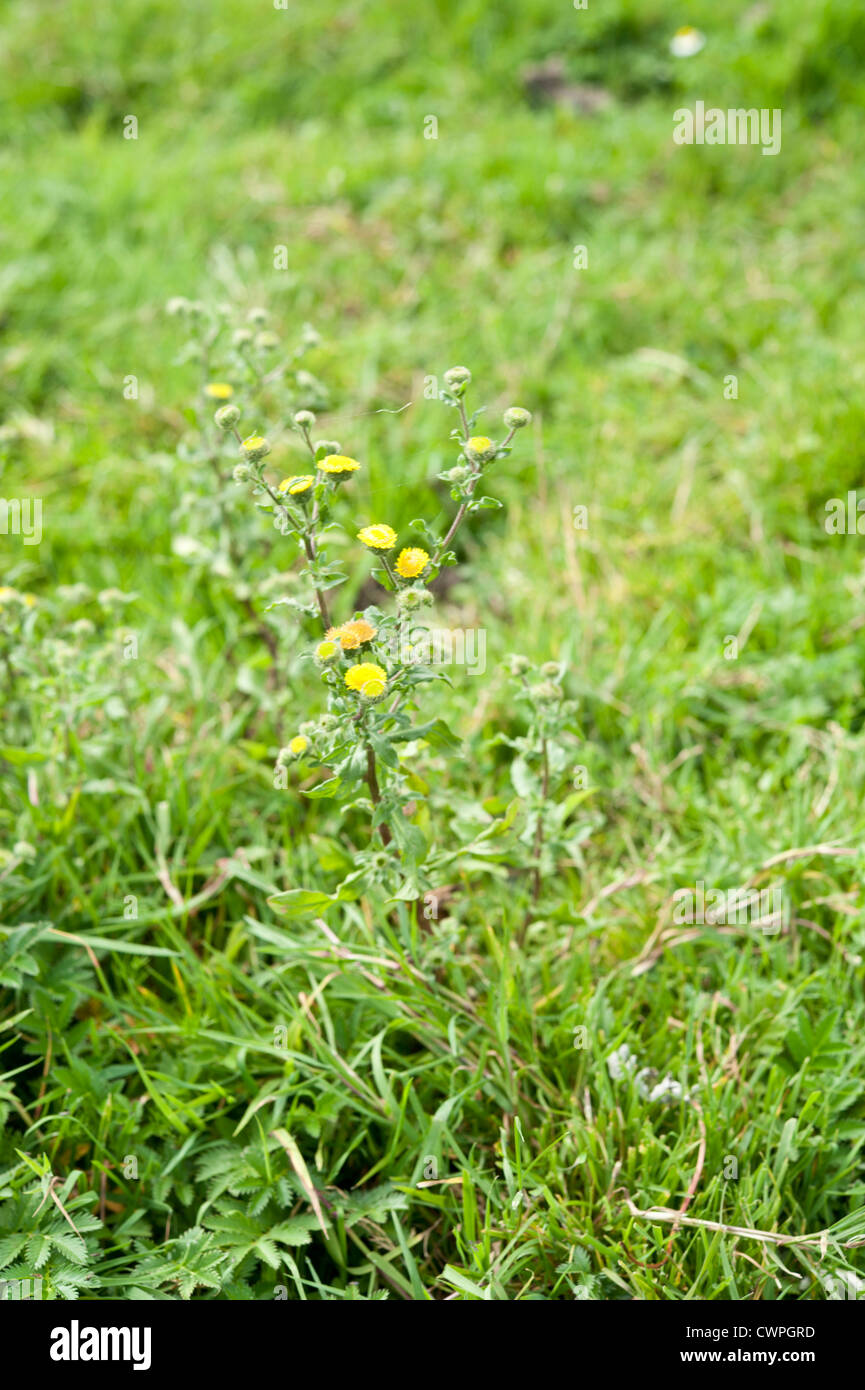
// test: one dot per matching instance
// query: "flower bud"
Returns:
(413, 597)
(242, 473)
(479, 448)
(226, 416)
(177, 305)
(304, 419)
(518, 665)
(255, 447)
(458, 474)
(327, 653)
(330, 446)
(550, 668)
(294, 748)
(516, 418)
(457, 376)
(241, 336)
(267, 342)
(258, 315)
(548, 693)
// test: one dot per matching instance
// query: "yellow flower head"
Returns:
(373, 690)
(255, 446)
(353, 634)
(378, 537)
(327, 650)
(412, 562)
(479, 447)
(297, 485)
(219, 390)
(6, 593)
(367, 678)
(298, 744)
(338, 465)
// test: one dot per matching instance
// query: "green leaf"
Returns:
(324, 789)
(439, 735)
(484, 504)
(20, 755)
(299, 902)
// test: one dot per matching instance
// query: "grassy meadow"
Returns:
(541, 1085)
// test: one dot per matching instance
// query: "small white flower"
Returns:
(686, 42)
(621, 1062)
(669, 1089)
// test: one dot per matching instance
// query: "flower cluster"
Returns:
(364, 659)
(372, 692)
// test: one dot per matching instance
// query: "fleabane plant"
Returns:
(372, 672)
(245, 367)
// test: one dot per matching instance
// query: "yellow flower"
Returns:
(367, 678)
(299, 744)
(373, 689)
(255, 446)
(325, 651)
(378, 537)
(219, 390)
(296, 485)
(6, 593)
(479, 447)
(353, 634)
(337, 464)
(412, 562)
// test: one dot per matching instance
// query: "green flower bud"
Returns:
(518, 665)
(328, 721)
(548, 693)
(258, 315)
(330, 446)
(516, 418)
(242, 473)
(226, 416)
(458, 474)
(304, 419)
(550, 668)
(457, 376)
(241, 336)
(266, 342)
(413, 597)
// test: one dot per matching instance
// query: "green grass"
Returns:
(461, 1144)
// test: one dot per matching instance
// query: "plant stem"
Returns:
(476, 473)
(539, 829)
(375, 794)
